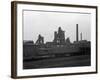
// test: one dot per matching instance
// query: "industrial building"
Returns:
(58, 47)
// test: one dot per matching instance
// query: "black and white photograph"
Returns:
(53, 39)
(56, 39)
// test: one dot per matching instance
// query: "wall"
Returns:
(5, 41)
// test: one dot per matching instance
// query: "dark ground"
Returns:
(71, 61)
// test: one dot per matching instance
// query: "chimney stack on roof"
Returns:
(81, 35)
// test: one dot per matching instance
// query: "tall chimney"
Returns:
(81, 36)
(76, 32)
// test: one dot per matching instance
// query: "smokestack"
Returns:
(81, 36)
(76, 32)
(55, 36)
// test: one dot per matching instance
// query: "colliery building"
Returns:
(58, 47)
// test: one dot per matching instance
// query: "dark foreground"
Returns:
(71, 61)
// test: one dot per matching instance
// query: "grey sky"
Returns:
(45, 23)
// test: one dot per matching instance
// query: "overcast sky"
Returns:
(45, 23)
